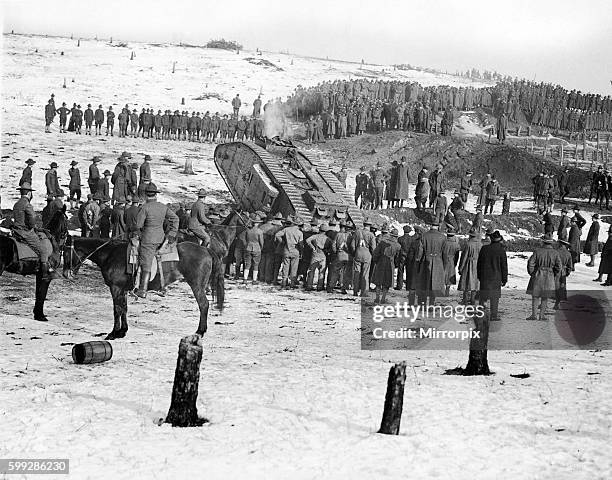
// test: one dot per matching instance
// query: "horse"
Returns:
(9, 260)
(199, 266)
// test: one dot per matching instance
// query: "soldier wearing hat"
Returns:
(110, 121)
(49, 115)
(320, 245)
(405, 240)
(466, 186)
(99, 119)
(431, 267)
(74, 185)
(198, 221)
(51, 181)
(468, 280)
(363, 244)
(145, 175)
(63, 117)
(591, 244)
(88, 116)
(150, 221)
(267, 264)
(542, 267)
(26, 175)
(24, 224)
(94, 175)
(340, 270)
(492, 269)
(117, 220)
(564, 224)
(362, 181)
(121, 179)
(104, 187)
(291, 239)
(91, 215)
(253, 243)
(605, 265)
(450, 257)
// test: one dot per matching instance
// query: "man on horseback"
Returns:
(24, 227)
(198, 220)
(150, 221)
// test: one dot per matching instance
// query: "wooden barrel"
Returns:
(92, 352)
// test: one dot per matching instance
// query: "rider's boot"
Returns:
(144, 283)
(48, 273)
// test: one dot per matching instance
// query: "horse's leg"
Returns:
(119, 307)
(199, 293)
(42, 287)
(124, 325)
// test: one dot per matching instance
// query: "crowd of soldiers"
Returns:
(166, 125)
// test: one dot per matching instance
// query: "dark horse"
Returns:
(9, 261)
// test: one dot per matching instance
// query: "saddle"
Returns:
(24, 251)
(166, 253)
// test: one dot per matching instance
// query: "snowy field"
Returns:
(284, 383)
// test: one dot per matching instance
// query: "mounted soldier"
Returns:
(24, 228)
(198, 221)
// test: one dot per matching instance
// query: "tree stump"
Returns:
(183, 411)
(188, 170)
(394, 400)
(477, 361)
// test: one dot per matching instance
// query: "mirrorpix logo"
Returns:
(398, 315)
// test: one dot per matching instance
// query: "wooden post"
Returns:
(188, 170)
(132, 56)
(79, 42)
(173, 66)
(183, 410)
(394, 400)
(183, 101)
(477, 362)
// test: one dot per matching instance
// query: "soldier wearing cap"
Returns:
(253, 243)
(431, 266)
(145, 175)
(567, 267)
(24, 224)
(465, 186)
(74, 185)
(110, 121)
(88, 116)
(291, 239)
(542, 266)
(564, 224)
(198, 221)
(492, 269)
(361, 186)
(450, 257)
(605, 265)
(320, 245)
(51, 181)
(150, 221)
(468, 268)
(385, 259)
(363, 244)
(591, 244)
(26, 175)
(99, 119)
(405, 240)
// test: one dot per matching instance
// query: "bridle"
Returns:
(82, 260)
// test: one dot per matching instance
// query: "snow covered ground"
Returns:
(284, 383)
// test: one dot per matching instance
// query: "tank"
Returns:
(273, 174)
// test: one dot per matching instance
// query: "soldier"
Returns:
(591, 244)
(214, 127)
(250, 129)
(269, 229)
(492, 270)
(110, 121)
(134, 123)
(236, 103)
(24, 226)
(450, 257)
(94, 175)
(361, 186)
(145, 176)
(493, 192)
(379, 178)
(431, 266)
(254, 241)
(91, 215)
(339, 268)
(320, 245)
(241, 126)
(405, 241)
(456, 210)
(291, 239)
(257, 106)
(564, 185)
(223, 129)
(231, 128)
(502, 126)
(468, 281)
(385, 258)
(483, 189)
(605, 265)
(122, 118)
(198, 221)
(51, 181)
(595, 183)
(564, 224)
(478, 220)
(63, 116)
(26, 175)
(49, 115)
(440, 207)
(88, 116)
(506, 203)
(363, 244)
(207, 128)
(567, 267)
(117, 220)
(165, 122)
(78, 120)
(103, 187)
(74, 185)
(436, 183)
(542, 266)
(120, 179)
(98, 119)
(150, 221)
(105, 219)
(131, 219)
(421, 193)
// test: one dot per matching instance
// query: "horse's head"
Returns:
(58, 226)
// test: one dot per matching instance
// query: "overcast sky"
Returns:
(562, 41)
